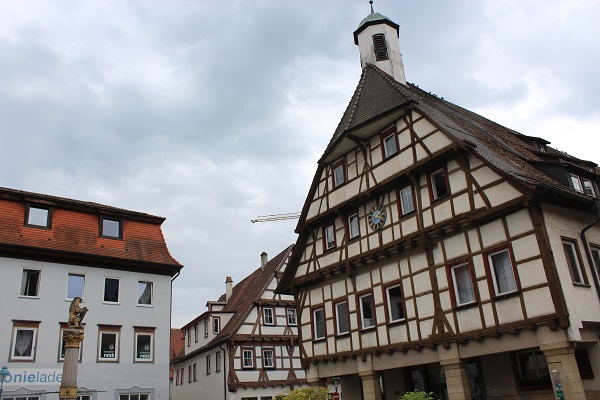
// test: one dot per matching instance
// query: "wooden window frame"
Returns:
(577, 257)
(49, 213)
(337, 316)
(450, 268)
(391, 132)
(401, 203)
(349, 225)
(359, 308)
(243, 358)
(326, 246)
(340, 163)
(313, 321)
(264, 315)
(433, 195)
(272, 350)
(491, 271)
(113, 219)
(386, 297)
(287, 316)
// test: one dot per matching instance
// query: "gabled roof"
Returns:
(177, 345)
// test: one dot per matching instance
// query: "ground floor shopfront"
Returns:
(507, 367)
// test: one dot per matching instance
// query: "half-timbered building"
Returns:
(245, 346)
(441, 251)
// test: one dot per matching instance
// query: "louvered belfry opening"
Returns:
(380, 47)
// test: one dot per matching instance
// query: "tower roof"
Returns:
(374, 18)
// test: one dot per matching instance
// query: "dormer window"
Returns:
(38, 216)
(588, 187)
(380, 47)
(111, 228)
(576, 183)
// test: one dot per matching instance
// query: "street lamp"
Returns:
(3, 374)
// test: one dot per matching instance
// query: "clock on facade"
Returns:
(377, 216)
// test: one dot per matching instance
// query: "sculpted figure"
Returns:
(76, 313)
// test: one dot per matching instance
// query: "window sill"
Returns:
(319, 340)
(471, 304)
(583, 285)
(28, 297)
(440, 199)
(111, 237)
(146, 305)
(353, 239)
(46, 228)
(506, 295)
(397, 322)
(368, 329)
(113, 361)
(111, 303)
(342, 335)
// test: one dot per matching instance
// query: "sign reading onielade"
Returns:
(32, 376)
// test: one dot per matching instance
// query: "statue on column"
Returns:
(72, 337)
(76, 313)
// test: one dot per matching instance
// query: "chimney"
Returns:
(264, 259)
(228, 288)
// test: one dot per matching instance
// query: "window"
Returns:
(502, 272)
(329, 237)
(177, 377)
(30, 283)
(144, 345)
(216, 325)
(218, 361)
(342, 322)
(38, 216)
(291, 316)
(406, 201)
(111, 227)
(438, 184)
(533, 370)
(188, 334)
(61, 355)
(268, 316)
(196, 333)
(111, 290)
(24, 338)
(84, 397)
(353, 230)
(144, 293)
(268, 360)
(189, 374)
(247, 358)
(182, 376)
(463, 284)
(21, 397)
(195, 372)
(206, 328)
(139, 396)
(319, 323)
(75, 286)
(367, 315)
(573, 261)
(339, 174)
(596, 257)
(576, 182)
(389, 144)
(380, 47)
(588, 187)
(394, 303)
(108, 344)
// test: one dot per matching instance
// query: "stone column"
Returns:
(370, 384)
(68, 386)
(560, 356)
(455, 370)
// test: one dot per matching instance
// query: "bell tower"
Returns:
(377, 40)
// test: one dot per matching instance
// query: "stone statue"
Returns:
(76, 313)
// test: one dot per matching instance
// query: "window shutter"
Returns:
(380, 47)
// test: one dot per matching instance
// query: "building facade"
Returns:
(443, 252)
(53, 250)
(245, 346)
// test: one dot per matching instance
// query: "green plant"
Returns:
(418, 395)
(308, 393)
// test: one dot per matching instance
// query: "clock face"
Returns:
(377, 216)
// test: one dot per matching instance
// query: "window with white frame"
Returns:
(319, 323)
(111, 290)
(177, 377)
(144, 346)
(353, 229)
(339, 174)
(108, 345)
(329, 237)
(462, 283)
(405, 197)
(576, 182)
(438, 184)
(208, 365)
(38, 216)
(291, 316)
(573, 261)
(206, 328)
(217, 361)
(342, 323)
(248, 358)
(144, 293)
(389, 145)
(588, 187)
(216, 325)
(30, 283)
(21, 397)
(367, 314)
(75, 286)
(190, 373)
(502, 271)
(24, 337)
(188, 334)
(268, 316)
(268, 359)
(136, 396)
(111, 228)
(195, 371)
(196, 333)
(395, 303)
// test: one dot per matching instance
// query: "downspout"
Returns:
(224, 372)
(586, 246)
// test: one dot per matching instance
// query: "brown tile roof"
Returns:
(177, 345)
(74, 232)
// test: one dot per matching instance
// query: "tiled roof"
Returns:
(177, 345)
(504, 148)
(74, 232)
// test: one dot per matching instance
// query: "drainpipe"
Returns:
(586, 246)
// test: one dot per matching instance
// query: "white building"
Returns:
(245, 347)
(54, 249)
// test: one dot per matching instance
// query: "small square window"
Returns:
(144, 293)
(111, 228)
(75, 286)
(268, 360)
(329, 237)
(574, 261)
(216, 325)
(389, 145)
(339, 174)
(319, 323)
(438, 184)
(38, 216)
(342, 322)
(502, 271)
(367, 314)
(291, 316)
(23, 343)
(406, 199)
(394, 303)
(463, 284)
(353, 230)
(144, 345)
(247, 358)
(108, 346)
(268, 316)
(111, 290)
(30, 283)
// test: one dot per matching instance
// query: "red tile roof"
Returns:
(177, 345)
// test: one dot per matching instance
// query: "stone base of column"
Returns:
(457, 380)
(370, 385)
(67, 392)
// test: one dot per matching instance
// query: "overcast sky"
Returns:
(211, 113)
